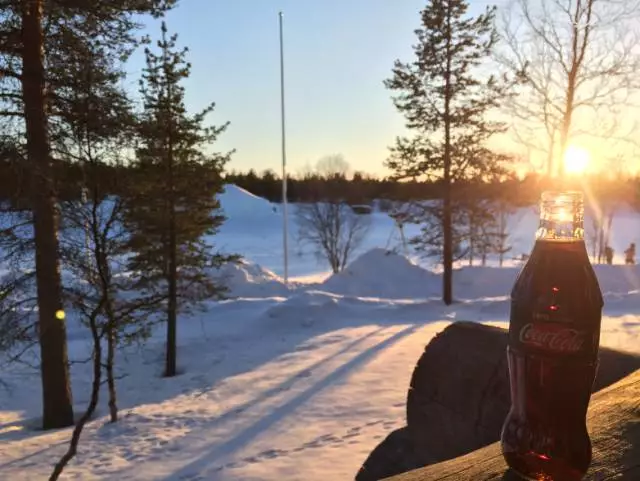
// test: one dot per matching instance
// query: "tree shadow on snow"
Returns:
(207, 360)
(205, 363)
(205, 464)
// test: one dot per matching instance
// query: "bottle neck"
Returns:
(561, 217)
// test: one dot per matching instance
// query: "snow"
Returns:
(239, 203)
(296, 382)
(245, 279)
(362, 277)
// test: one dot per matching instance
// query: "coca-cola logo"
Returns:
(552, 337)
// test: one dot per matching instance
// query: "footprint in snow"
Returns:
(191, 477)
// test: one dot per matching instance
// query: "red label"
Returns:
(552, 337)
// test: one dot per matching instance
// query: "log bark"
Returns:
(395, 454)
(459, 394)
(614, 427)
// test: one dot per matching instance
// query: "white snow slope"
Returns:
(281, 383)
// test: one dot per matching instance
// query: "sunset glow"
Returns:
(576, 160)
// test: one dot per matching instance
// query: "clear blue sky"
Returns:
(337, 53)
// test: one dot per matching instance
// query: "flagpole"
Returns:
(284, 160)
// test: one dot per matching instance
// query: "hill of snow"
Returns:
(247, 279)
(384, 274)
(237, 202)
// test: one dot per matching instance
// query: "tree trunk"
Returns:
(614, 428)
(56, 389)
(109, 368)
(594, 223)
(172, 305)
(607, 237)
(601, 240)
(447, 227)
(552, 143)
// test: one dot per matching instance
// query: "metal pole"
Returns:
(284, 160)
(85, 200)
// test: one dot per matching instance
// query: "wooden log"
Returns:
(614, 427)
(459, 394)
(395, 454)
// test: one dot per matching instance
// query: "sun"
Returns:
(576, 160)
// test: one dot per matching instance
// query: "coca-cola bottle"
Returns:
(554, 333)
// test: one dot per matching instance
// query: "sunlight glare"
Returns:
(576, 160)
(562, 215)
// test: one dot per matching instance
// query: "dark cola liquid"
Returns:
(554, 333)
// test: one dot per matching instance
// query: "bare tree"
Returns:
(333, 229)
(96, 336)
(327, 222)
(487, 229)
(577, 61)
(332, 166)
(502, 245)
(605, 211)
(481, 223)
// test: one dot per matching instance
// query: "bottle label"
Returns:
(559, 335)
(553, 337)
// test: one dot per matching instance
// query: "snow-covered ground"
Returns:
(293, 382)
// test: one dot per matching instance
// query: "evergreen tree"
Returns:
(38, 39)
(174, 203)
(445, 99)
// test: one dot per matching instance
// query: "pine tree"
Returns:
(445, 99)
(38, 39)
(174, 204)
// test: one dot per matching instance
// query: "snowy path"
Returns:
(330, 398)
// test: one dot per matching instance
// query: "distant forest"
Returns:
(362, 188)
(358, 188)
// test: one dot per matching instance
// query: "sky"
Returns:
(337, 54)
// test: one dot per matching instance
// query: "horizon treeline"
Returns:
(356, 188)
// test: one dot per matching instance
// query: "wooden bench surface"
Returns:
(614, 426)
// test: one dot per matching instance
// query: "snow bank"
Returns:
(237, 202)
(476, 282)
(304, 308)
(246, 279)
(385, 274)
(482, 282)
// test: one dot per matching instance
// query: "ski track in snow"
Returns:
(294, 382)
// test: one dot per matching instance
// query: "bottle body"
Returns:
(554, 335)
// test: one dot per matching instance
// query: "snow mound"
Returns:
(477, 282)
(384, 274)
(311, 307)
(246, 279)
(237, 202)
